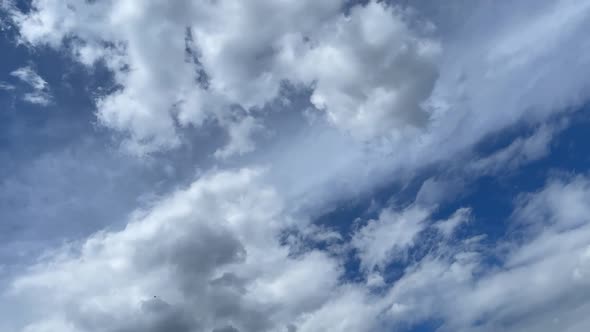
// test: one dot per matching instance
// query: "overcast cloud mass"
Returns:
(294, 166)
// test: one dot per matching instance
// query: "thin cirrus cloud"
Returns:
(40, 94)
(387, 93)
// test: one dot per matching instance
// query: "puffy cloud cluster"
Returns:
(205, 258)
(184, 63)
(208, 258)
(371, 71)
(376, 69)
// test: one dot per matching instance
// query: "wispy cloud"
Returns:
(29, 76)
(6, 87)
(40, 94)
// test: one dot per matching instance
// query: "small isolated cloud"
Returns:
(38, 98)
(40, 94)
(369, 71)
(29, 76)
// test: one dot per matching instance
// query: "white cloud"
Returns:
(29, 76)
(209, 254)
(349, 310)
(369, 71)
(492, 78)
(244, 63)
(384, 239)
(448, 227)
(378, 65)
(434, 191)
(519, 152)
(467, 105)
(38, 98)
(40, 95)
(561, 204)
(539, 284)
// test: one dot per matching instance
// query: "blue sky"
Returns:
(294, 166)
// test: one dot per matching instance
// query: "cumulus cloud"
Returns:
(199, 259)
(371, 71)
(377, 71)
(183, 63)
(468, 103)
(208, 257)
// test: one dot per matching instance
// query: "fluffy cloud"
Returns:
(183, 63)
(377, 71)
(198, 260)
(208, 257)
(371, 71)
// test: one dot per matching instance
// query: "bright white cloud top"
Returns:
(311, 104)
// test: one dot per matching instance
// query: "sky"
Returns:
(294, 166)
